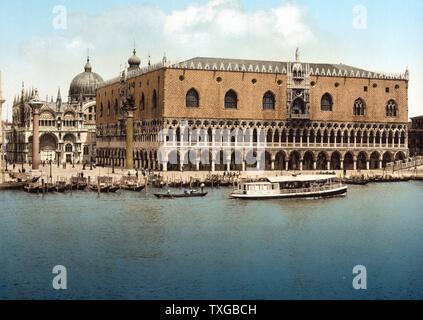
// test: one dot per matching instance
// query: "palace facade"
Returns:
(67, 129)
(217, 114)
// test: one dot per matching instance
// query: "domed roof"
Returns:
(134, 61)
(85, 83)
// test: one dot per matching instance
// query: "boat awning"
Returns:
(301, 178)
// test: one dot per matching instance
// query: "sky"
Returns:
(45, 42)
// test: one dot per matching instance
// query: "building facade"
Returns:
(67, 129)
(416, 136)
(226, 114)
(2, 127)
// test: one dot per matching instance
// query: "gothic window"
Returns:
(154, 100)
(231, 100)
(108, 108)
(359, 107)
(326, 103)
(86, 150)
(391, 109)
(68, 148)
(192, 99)
(142, 103)
(269, 101)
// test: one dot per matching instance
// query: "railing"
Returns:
(403, 165)
(300, 116)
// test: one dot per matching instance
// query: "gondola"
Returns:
(104, 188)
(186, 194)
(12, 185)
(61, 186)
(358, 182)
(135, 188)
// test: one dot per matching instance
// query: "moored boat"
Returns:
(299, 186)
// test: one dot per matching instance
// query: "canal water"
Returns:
(132, 246)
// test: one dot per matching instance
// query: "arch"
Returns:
(116, 107)
(322, 161)
(236, 160)
(269, 101)
(326, 102)
(308, 161)
(280, 160)
(142, 102)
(269, 137)
(362, 161)
(391, 108)
(192, 99)
(400, 156)
(267, 160)
(69, 137)
(387, 158)
(154, 100)
(231, 100)
(294, 160)
(221, 160)
(205, 160)
(48, 142)
(374, 160)
(276, 138)
(68, 147)
(348, 161)
(359, 108)
(299, 106)
(174, 161)
(335, 161)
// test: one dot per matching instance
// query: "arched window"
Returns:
(192, 99)
(116, 107)
(269, 101)
(326, 103)
(154, 100)
(68, 148)
(359, 107)
(142, 102)
(108, 108)
(231, 100)
(391, 109)
(101, 110)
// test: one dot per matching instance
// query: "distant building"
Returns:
(67, 129)
(416, 136)
(290, 115)
(2, 135)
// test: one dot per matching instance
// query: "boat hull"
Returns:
(180, 195)
(341, 191)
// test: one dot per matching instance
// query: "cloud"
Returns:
(216, 28)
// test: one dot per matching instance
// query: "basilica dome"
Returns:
(85, 83)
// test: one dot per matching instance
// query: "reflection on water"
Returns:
(132, 246)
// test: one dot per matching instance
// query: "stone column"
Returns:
(301, 165)
(328, 165)
(315, 165)
(36, 105)
(368, 165)
(129, 140)
(287, 165)
(342, 164)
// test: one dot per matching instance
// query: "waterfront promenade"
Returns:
(55, 173)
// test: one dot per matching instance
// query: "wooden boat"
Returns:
(186, 194)
(12, 185)
(131, 183)
(61, 186)
(32, 188)
(47, 188)
(78, 183)
(284, 187)
(135, 188)
(356, 181)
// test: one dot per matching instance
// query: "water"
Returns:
(132, 246)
